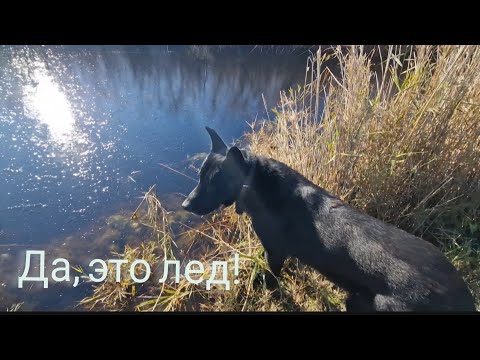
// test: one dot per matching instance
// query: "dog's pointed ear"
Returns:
(235, 156)
(218, 146)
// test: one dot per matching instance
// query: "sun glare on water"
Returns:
(44, 101)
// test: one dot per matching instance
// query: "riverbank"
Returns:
(402, 145)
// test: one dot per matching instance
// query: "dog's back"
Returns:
(390, 268)
(410, 272)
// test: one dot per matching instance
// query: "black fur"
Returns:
(382, 267)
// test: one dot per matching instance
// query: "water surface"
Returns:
(83, 130)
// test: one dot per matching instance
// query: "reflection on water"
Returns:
(77, 122)
(44, 100)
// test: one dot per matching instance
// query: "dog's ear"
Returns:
(218, 146)
(235, 156)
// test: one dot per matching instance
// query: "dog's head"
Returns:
(221, 178)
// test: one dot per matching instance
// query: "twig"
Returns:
(178, 172)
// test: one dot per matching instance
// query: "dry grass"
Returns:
(400, 141)
(221, 236)
(404, 146)
(15, 307)
(111, 294)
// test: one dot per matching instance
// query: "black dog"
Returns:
(383, 268)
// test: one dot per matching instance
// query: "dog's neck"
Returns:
(263, 174)
(240, 205)
(267, 183)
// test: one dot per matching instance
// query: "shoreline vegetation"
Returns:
(398, 138)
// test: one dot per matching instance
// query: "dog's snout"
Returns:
(187, 205)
